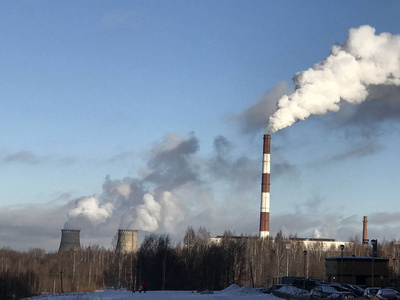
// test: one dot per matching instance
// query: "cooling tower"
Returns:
(265, 187)
(127, 241)
(365, 232)
(69, 240)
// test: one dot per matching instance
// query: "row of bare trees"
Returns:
(196, 264)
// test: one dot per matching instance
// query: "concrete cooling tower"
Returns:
(127, 241)
(69, 240)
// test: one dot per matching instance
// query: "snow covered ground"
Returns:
(233, 292)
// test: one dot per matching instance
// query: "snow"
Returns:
(233, 292)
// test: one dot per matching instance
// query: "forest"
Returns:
(197, 263)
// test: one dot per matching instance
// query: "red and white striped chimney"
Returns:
(265, 187)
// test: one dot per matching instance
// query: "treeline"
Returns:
(197, 263)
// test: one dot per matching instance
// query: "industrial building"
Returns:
(360, 270)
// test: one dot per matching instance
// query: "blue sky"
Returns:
(105, 88)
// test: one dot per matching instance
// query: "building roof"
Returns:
(357, 258)
(311, 239)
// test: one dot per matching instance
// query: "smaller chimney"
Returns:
(365, 232)
(69, 240)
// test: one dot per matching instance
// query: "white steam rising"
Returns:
(144, 216)
(87, 212)
(365, 59)
(174, 212)
(148, 203)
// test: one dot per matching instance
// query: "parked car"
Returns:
(359, 291)
(274, 288)
(343, 295)
(386, 294)
(309, 283)
(339, 287)
(322, 291)
(397, 289)
(327, 291)
(370, 292)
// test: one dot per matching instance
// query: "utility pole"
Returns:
(251, 276)
(341, 265)
(61, 281)
(287, 259)
(374, 244)
(305, 264)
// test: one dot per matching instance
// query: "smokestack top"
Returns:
(267, 144)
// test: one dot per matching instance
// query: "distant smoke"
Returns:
(22, 157)
(347, 74)
(238, 172)
(317, 234)
(148, 202)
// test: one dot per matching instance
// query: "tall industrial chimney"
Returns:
(365, 232)
(69, 240)
(265, 187)
(127, 241)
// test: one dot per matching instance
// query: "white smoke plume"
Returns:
(87, 213)
(145, 216)
(365, 60)
(149, 202)
(173, 210)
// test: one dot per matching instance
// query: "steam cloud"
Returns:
(144, 216)
(363, 61)
(147, 203)
(88, 213)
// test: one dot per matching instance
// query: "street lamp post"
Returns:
(305, 264)
(394, 277)
(374, 253)
(354, 280)
(372, 279)
(341, 264)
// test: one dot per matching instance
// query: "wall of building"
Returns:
(357, 270)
